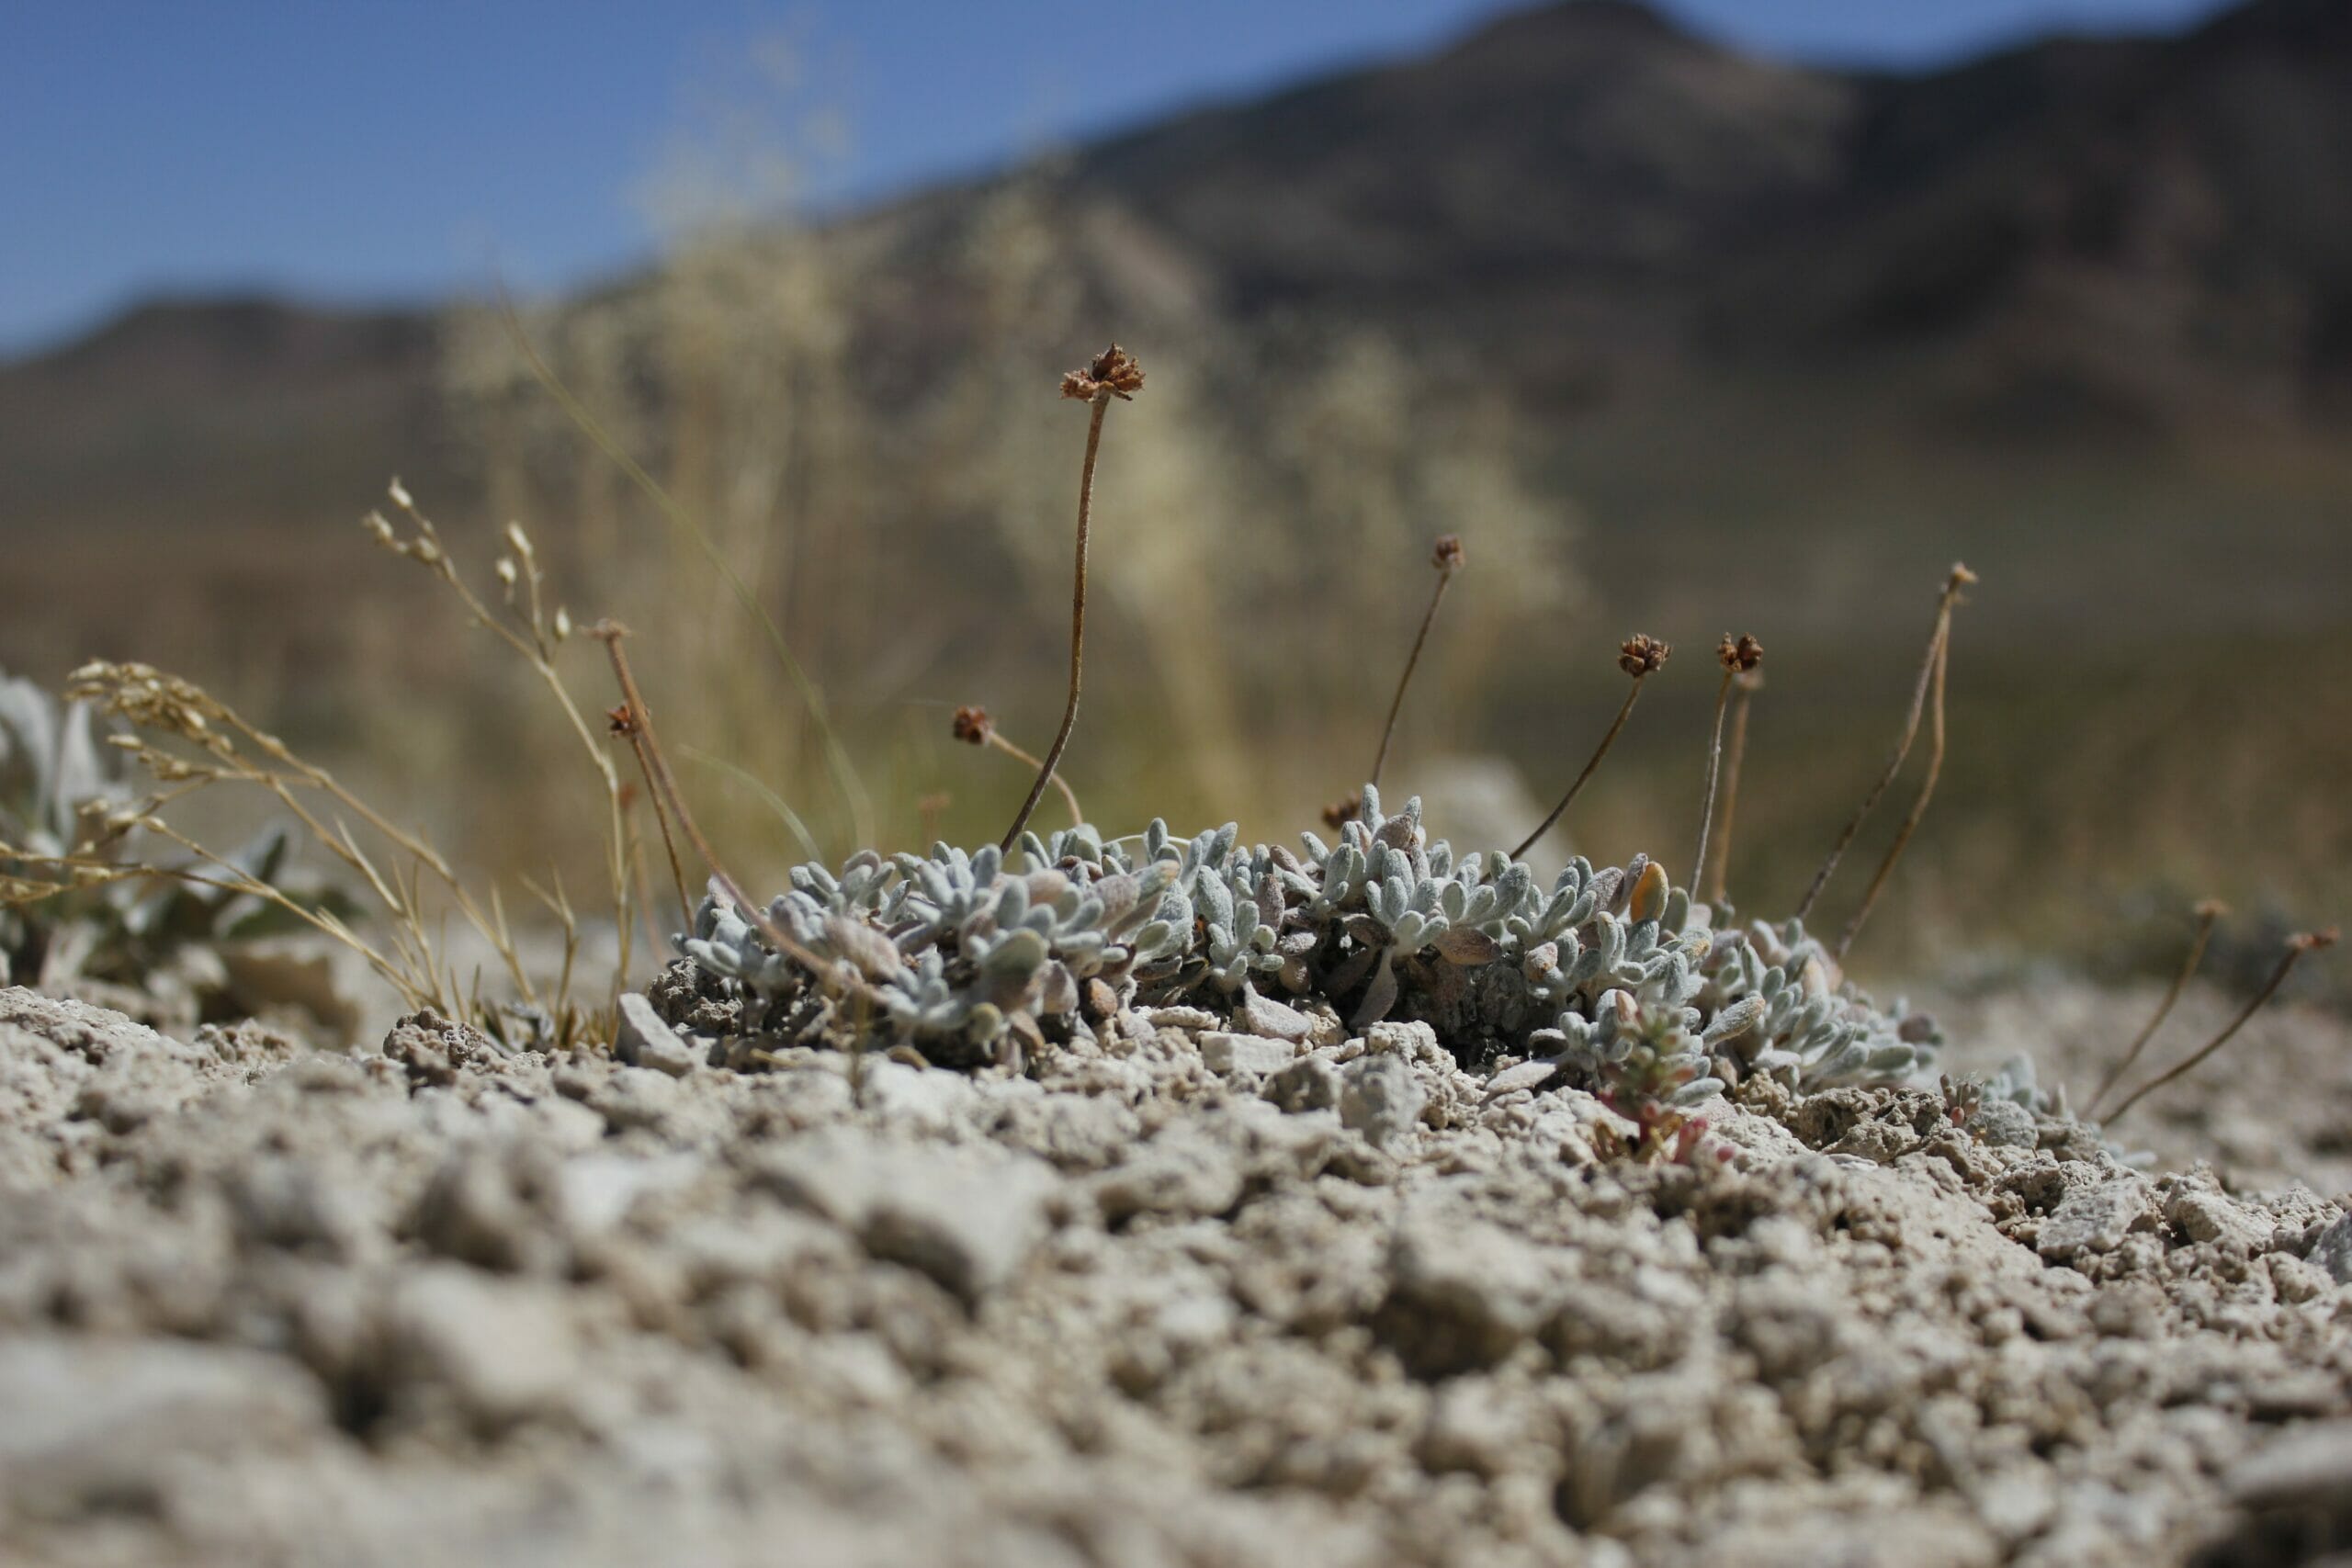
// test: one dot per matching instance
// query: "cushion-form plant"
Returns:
(1610, 974)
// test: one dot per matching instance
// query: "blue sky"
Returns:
(399, 150)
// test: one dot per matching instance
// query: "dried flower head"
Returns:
(1344, 811)
(621, 720)
(1642, 654)
(1448, 553)
(1739, 657)
(2210, 909)
(1113, 373)
(2307, 942)
(973, 726)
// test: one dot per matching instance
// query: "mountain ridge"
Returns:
(2114, 262)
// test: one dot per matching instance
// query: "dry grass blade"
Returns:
(2297, 946)
(1960, 577)
(768, 796)
(2208, 912)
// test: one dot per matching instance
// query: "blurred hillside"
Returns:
(1678, 340)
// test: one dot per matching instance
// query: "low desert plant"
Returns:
(188, 741)
(78, 898)
(1605, 967)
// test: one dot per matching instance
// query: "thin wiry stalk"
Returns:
(1714, 772)
(1961, 575)
(1100, 405)
(624, 725)
(1632, 693)
(611, 633)
(1447, 557)
(812, 697)
(153, 700)
(2296, 947)
(86, 873)
(1918, 805)
(2207, 914)
(1069, 796)
(1743, 693)
(545, 635)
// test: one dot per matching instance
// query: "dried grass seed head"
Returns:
(1741, 657)
(2311, 941)
(1642, 655)
(973, 726)
(1113, 373)
(1447, 554)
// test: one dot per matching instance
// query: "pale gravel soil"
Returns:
(262, 1304)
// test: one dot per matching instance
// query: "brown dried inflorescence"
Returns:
(973, 726)
(1448, 554)
(1113, 373)
(1344, 811)
(1740, 657)
(1642, 655)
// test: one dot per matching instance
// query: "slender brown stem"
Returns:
(662, 819)
(1070, 796)
(1100, 404)
(1603, 750)
(1960, 575)
(1412, 661)
(658, 766)
(1714, 774)
(1743, 693)
(2208, 913)
(2296, 947)
(1918, 805)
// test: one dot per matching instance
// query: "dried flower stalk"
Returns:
(2208, 912)
(1112, 374)
(1960, 578)
(1640, 657)
(1738, 658)
(1446, 555)
(2298, 945)
(974, 726)
(1744, 689)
